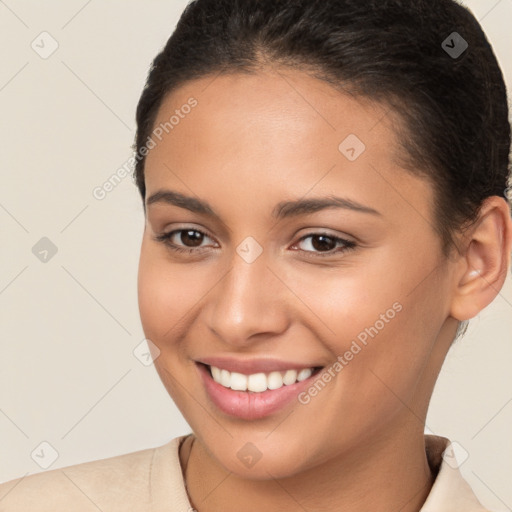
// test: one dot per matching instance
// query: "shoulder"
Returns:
(450, 491)
(119, 483)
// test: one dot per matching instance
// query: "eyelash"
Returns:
(348, 244)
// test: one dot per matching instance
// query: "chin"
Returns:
(258, 457)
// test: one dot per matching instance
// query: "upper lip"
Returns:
(255, 365)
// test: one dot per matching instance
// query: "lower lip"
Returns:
(249, 405)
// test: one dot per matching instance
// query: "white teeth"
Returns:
(259, 382)
(274, 380)
(290, 377)
(215, 373)
(304, 374)
(225, 378)
(238, 381)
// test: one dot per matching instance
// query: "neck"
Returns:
(390, 474)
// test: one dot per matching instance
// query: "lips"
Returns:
(248, 404)
(250, 366)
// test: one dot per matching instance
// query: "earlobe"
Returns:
(485, 264)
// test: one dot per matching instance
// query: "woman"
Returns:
(324, 186)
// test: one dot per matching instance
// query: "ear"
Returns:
(483, 267)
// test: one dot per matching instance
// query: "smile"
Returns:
(263, 390)
(259, 382)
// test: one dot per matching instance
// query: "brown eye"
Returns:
(183, 240)
(321, 244)
(190, 237)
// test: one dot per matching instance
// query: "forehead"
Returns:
(278, 132)
(287, 110)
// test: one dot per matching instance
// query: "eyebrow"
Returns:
(284, 209)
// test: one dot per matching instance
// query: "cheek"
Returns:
(347, 302)
(393, 361)
(166, 293)
(381, 324)
(154, 297)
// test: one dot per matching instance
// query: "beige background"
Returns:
(68, 374)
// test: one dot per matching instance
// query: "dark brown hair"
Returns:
(453, 107)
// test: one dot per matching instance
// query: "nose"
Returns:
(249, 300)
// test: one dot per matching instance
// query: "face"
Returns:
(300, 244)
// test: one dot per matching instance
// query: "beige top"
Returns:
(151, 481)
